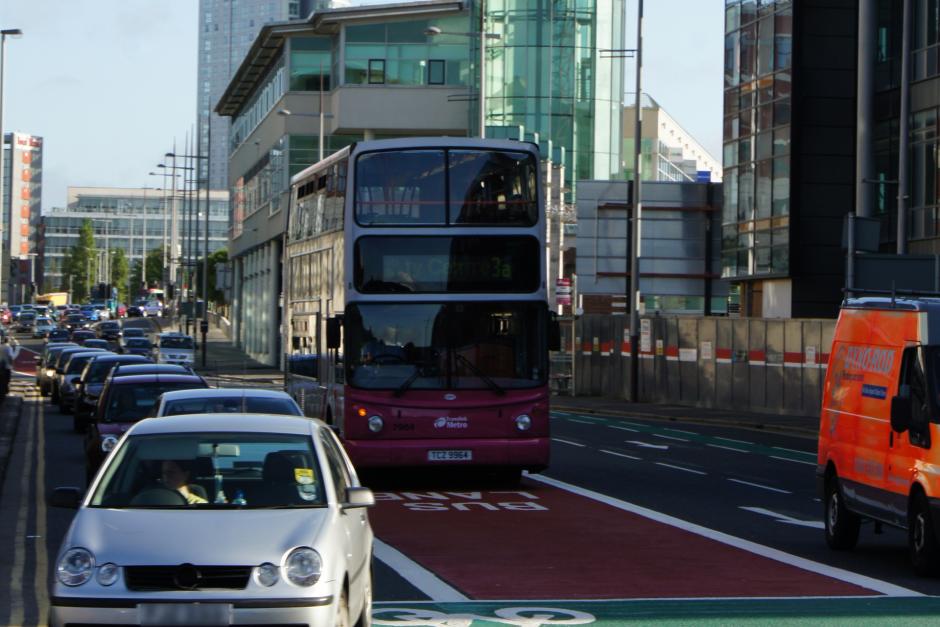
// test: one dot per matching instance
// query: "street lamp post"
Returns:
(13, 33)
(432, 31)
(194, 235)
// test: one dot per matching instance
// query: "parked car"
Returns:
(79, 336)
(25, 322)
(70, 377)
(45, 364)
(92, 382)
(227, 400)
(58, 366)
(174, 348)
(58, 335)
(268, 507)
(75, 321)
(109, 330)
(44, 326)
(97, 343)
(135, 346)
(125, 400)
(153, 308)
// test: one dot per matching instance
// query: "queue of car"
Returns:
(166, 454)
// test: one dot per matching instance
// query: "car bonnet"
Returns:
(209, 536)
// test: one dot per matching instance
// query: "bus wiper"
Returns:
(408, 382)
(473, 368)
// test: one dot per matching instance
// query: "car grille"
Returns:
(186, 577)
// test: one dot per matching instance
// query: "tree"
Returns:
(119, 273)
(216, 296)
(82, 260)
(154, 272)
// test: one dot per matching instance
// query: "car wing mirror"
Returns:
(67, 497)
(358, 497)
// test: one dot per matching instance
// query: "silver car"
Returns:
(227, 400)
(218, 519)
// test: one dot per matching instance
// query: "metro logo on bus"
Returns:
(455, 422)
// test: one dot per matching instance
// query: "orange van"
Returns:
(880, 417)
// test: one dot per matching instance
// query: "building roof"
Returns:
(270, 41)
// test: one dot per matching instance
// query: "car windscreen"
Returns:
(133, 333)
(130, 403)
(211, 470)
(136, 342)
(98, 370)
(110, 326)
(77, 364)
(231, 404)
(76, 318)
(176, 342)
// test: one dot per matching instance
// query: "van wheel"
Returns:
(842, 526)
(925, 552)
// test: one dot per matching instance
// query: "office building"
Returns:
(22, 206)
(135, 220)
(227, 29)
(384, 75)
(668, 152)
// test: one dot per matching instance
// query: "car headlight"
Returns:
(303, 566)
(75, 566)
(523, 422)
(266, 575)
(376, 423)
(108, 574)
(50, 372)
(108, 443)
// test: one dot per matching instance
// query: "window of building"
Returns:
(376, 71)
(436, 71)
(310, 60)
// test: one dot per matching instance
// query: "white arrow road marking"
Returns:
(661, 447)
(783, 518)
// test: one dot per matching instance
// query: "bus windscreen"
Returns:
(440, 346)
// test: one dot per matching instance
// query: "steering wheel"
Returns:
(388, 358)
(159, 496)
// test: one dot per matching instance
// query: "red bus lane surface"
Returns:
(25, 362)
(542, 542)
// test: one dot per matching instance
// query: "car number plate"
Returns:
(184, 613)
(449, 456)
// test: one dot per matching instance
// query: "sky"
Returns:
(111, 84)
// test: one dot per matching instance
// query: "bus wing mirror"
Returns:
(554, 334)
(333, 333)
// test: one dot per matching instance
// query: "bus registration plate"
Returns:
(449, 456)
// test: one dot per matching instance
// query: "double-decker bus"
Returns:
(416, 319)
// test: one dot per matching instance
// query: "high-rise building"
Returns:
(22, 207)
(227, 29)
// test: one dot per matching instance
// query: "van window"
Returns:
(913, 375)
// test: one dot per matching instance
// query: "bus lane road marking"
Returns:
(483, 543)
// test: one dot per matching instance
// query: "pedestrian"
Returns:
(7, 355)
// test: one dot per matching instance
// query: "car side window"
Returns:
(341, 476)
(913, 375)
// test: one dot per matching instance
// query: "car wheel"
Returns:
(925, 552)
(365, 616)
(842, 526)
(342, 611)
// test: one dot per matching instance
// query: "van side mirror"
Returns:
(333, 332)
(554, 334)
(900, 413)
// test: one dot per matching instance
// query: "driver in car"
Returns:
(175, 475)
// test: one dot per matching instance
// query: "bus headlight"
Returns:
(376, 423)
(108, 443)
(523, 422)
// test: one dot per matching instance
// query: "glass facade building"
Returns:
(757, 102)
(548, 73)
(134, 220)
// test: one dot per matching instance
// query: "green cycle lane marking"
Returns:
(776, 452)
(849, 611)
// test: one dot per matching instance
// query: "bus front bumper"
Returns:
(527, 453)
